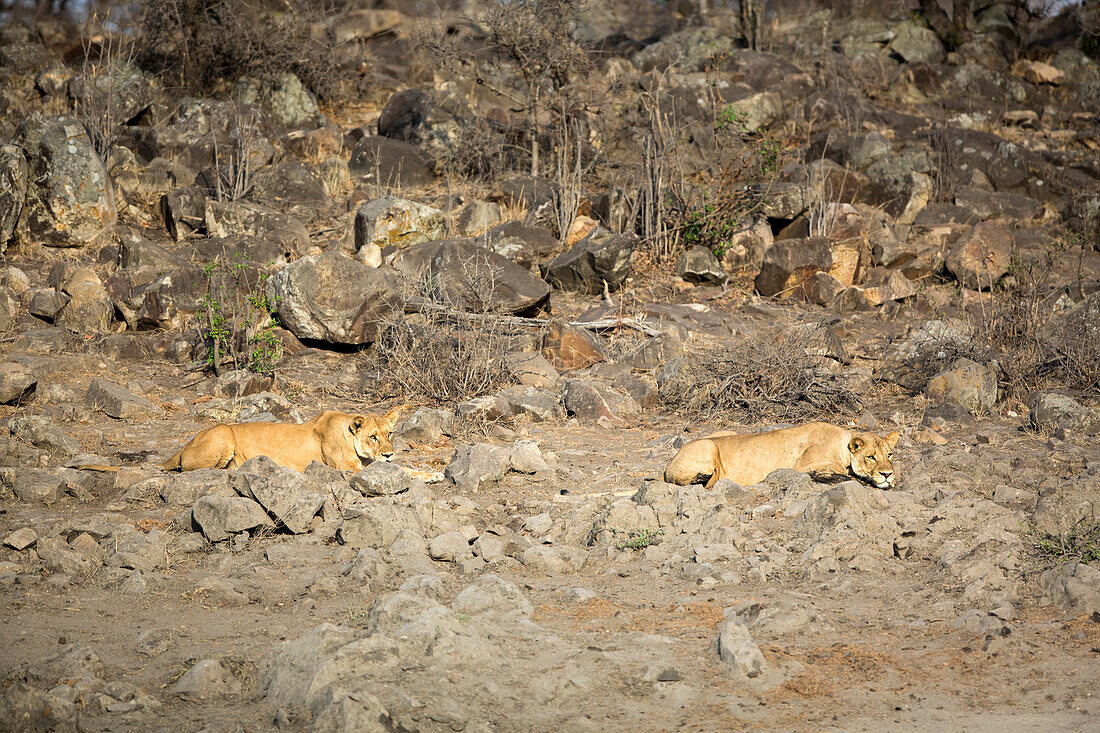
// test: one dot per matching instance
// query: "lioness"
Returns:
(337, 439)
(817, 448)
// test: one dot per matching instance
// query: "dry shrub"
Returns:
(202, 44)
(758, 377)
(453, 348)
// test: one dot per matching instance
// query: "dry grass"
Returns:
(759, 377)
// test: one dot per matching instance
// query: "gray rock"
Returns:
(738, 650)
(396, 222)
(117, 402)
(1075, 587)
(25, 708)
(538, 405)
(1059, 411)
(291, 180)
(21, 538)
(426, 426)
(916, 43)
(285, 494)
(601, 257)
(525, 456)
(473, 465)
(184, 212)
(489, 547)
(592, 401)
(13, 190)
(69, 198)
(184, 489)
(531, 369)
(61, 558)
(493, 596)
(377, 525)
(472, 278)
(554, 560)
(45, 302)
(220, 516)
(88, 307)
(449, 547)
(430, 117)
(208, 678)
(282, 97)
(17, 383)
(381, 478)
(699, 265)
(41, 433)
(982, 257)
(332, 298)
(538, 524)
(966, 383)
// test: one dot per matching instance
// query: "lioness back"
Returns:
(817, 448)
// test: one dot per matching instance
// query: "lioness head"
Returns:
(872, 458)
(370, 434)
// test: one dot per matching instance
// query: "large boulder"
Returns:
(462, 275)
(917, 44)
(282, 97)
(69, 199)
(386, 162)
(13, 190)
(332, 298)
(285, 494)
(790, 264)
(430, 117)
(966, 384)
(1051, 410)
(981, 257)
(601, 257)
(89, 307)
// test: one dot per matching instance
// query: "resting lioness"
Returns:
(817, 448)
(343, 441)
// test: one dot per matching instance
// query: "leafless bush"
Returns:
(107, 73)
(235, 164)
(200, 44)
(446, 352)
(760, 377)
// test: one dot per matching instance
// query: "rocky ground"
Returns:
(924, 257)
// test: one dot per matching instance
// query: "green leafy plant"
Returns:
(237, 323)
(639, 539)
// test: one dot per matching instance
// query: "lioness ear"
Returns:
(892, 439)
(356, 424)
(856, 443)
(390, 419)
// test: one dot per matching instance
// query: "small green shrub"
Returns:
(237, 324)
(640, 539)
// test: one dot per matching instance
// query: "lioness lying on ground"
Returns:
(817, 448)
(346, 442)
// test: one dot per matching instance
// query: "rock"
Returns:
(601, 257)
(569, 347)
(432, 118)
(13, 190)
(378, 525)
(386, 162)
(332, 298)
(1075, 587)
(527, 246)
(967, 384)
(17, 383)
(554, 560)
(396, 222)
(737, 649)
(532, 369)
(449, 547)
(282, 97)
(526, 457)
(489, 547)
(1050, 410)
(471, 278)
(981, 257)
(269, 237)
(89, 307)
(41, 433)
(473, 465)
(381, 478)
(698, 265)
(208, 678)
(758, 111)
(426, 426)
(220, 516)
(21, 538)
(592, 401)
(24, 708)
(538, 524)
(689, 48)
(476, 217)
(115, 401)
(60, 558)
(1037, 72)
(537, 405)
(745, 247)
(290, 182)
(69, 200)
(241, 383)
(790, 263)
(917, 44)
(283, 493)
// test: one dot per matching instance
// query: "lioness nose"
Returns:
(887, 474)
(387, 454)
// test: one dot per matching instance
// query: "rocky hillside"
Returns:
(567, 238)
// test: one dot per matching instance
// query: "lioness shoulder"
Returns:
(816, 448)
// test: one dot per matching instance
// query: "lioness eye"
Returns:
(870, 458)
